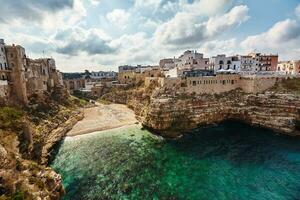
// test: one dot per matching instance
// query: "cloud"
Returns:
(297, 11)
(187, 28)
(283, 38)
(77, 40)
(118, 17)
(31, 9)
(216, 47)
(95, 2)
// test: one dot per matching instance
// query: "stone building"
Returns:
(167, 63)
(74, 81)
(22, 77)
(138, 75)
(16, 59)
(192, 60)
(289, 67)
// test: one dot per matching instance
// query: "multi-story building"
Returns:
(257, 62)
(16, 59)
(4, 72)
(41, 75)
(192, 60)
(289, 67)
(223, 63)
(103, 75)
(74, 81)
(167, 63)
(23, 77)
(248, 64)
(3, 62)
(136, 75)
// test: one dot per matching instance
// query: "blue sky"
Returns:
(102, 34)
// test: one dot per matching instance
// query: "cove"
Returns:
(229, 161)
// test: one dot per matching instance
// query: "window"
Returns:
(11, 55)
(0, 65)
(12, 64)
(194, 83)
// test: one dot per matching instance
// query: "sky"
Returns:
(104, 34)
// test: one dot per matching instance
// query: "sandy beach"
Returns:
(103, 117)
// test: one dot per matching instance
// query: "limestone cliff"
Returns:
(172, 116)
(170, 113)
(27, 138)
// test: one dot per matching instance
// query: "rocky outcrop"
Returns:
(27, 139)
(172, 115)
(57, 134)
(25, 179)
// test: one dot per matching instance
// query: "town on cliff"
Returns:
(39, 104)
(23, 77)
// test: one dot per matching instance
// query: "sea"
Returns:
(228, 161)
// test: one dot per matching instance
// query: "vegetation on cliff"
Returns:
(27, 136)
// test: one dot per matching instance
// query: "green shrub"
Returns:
(10, 117)
(18, 196)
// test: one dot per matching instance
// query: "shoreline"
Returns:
(102, 118)
(76, 137)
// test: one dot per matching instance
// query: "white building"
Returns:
(221, 63)
(3, 61)
(103, 75)
(192, 60)
(289, 67)
(249, 64)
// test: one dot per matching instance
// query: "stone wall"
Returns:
(256, 85)
(212, 84)
(217, 84)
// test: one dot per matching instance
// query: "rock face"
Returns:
(27, 139)
(57, 134)
(170, 113)
(171, 116)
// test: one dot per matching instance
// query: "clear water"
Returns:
(228, 161)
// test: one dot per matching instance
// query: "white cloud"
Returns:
(206, 7)
(95, 2)
(119, 17)
(186, 28)
(282, 38)
(152, 4)
(297, 11)
(216, 47)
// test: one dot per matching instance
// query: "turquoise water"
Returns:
(228, 161)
